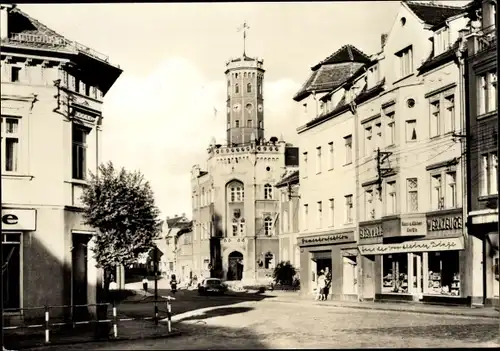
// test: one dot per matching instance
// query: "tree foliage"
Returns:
(121, 205)
(284, 273)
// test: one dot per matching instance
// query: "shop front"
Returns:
(335, 251)
(419, 258)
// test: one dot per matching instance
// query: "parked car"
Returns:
(211, 286)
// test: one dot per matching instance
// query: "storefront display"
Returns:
(443, 273)
(395, 273)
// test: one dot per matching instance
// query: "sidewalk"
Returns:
(293, 297)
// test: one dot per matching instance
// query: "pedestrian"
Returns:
(320, 288)
(328, 282)
(173, 284)
(145, 285)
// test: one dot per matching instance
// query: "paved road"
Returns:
(271, 324)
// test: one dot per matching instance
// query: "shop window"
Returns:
(395, 273)
(443, 273)
(11, 271)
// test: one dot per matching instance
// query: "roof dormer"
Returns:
(441, 40)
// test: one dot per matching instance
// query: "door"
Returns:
(417, 276)
(350, 275)
(79, 276)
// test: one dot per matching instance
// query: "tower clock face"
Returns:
(260, 108)
(236, 107)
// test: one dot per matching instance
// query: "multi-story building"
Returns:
(327, 174)
(289, 212)
(482, 152)
(235, 205)
(51, 99)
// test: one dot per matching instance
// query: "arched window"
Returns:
(235, 227)
(236, 191)
(269, 261)
(268, 192)
(242, 227)
(268, 226)
(249, 87)
(236, 88)
(260, 124)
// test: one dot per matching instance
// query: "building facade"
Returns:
(403, 109)
(235, 205)
(51, 100)
(482, 152)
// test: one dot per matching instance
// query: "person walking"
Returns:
(320, 288)
(173, 284)
(145, 283)
(328, 282)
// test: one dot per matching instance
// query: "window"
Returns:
(306, 216)
(269, 261)
(304, 157)
(378, 135)
(348, 209)
(10, 143)
(441, 41)
(242, 227)
(437, 194)
(487, 93)
(412, 189)
(331, 205)
(320, 214)
(489, 173)
(268, 192)
(369, 209)
(249, 123)
(331, 158)
(368, 141)
(395, 273)
(77, 85)
(435, 107)
(348, 149)
(391, 126)
(451, 189)
(11, 270)
(236, 88)
(236, 123)
(87, 89)
(79, 135)
(443, 273)
(372, 77)
(249, 87)
(391, 198)
(237, 194)
(450, 113)
(318, 159)
(493, 15)
(268, 226)
(14, 74)
(411, 131)
(405, 62)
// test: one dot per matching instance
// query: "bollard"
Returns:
(169, 316)
(115, 326)
(47, 336)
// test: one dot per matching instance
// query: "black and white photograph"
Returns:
(249, 175)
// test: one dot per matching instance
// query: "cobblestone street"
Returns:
(268, 324)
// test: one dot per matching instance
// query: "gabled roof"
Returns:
(178, 222)
(434, 14)
(347, 53)
(290, 177)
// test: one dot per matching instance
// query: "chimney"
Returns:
(383, 39)
(168, 217)
(4, 20)
(183, 214)
(175, 216)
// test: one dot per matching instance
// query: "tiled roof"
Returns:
(435, 61)
(177, 222)
(290, 177)
(327, 77)
(347, 53)
(434, 14)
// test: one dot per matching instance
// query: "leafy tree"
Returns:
(121, 206)
(284, 273)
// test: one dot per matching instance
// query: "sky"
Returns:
(160, 115)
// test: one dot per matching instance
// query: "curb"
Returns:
(382, 308)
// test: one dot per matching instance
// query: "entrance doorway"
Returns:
(417, 277)
(79, 275)
(319, 262)
(235, 266)
(350, 275)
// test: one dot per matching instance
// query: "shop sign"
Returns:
(413, 226)
(328, 239)
(413, 246)
(444, 223)
(369, 232)
(18, 219)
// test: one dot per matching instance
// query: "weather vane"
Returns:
(244, 28)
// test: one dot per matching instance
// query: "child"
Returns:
(320, 293)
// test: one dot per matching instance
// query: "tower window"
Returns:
(237, 123)
(236, 88)
(249, 123)
(249, 87)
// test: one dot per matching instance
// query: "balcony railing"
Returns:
(483, 39)
(56, 43)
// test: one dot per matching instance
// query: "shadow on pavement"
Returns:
(483, 332)
(218, 312)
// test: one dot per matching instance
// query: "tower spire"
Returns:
(244, 28)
